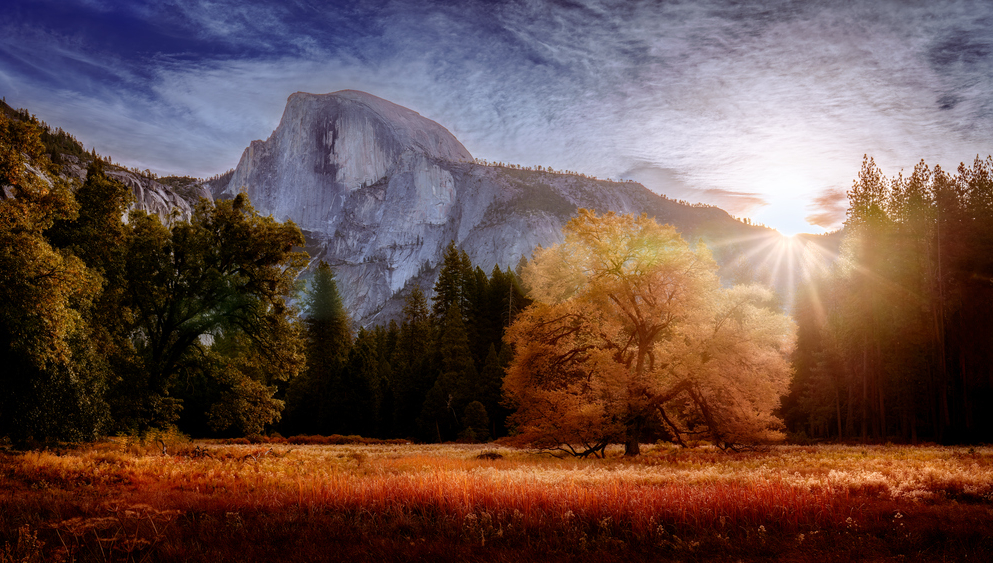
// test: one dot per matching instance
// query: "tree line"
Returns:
(119, 323)
(434, 376)
(896, 341)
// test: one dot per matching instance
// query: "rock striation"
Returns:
(380, 190)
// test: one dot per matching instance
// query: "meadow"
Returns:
(126, 500)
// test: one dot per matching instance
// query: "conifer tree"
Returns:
(328, 341)
(453, 387)
(353, 401)
(489, 391)
(449, 289)
(413, 365)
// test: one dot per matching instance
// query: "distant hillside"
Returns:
(159, 196)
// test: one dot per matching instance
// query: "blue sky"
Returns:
(762, 108)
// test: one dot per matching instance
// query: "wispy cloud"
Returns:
(759, 108)
(828, 209)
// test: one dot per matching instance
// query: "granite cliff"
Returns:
(379, 191)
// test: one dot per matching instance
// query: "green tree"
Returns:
(476, 423)
(351, 403)
(450, 288)
(897, 335)
(225, 273)
(328, 336)
(453, 387)
(45, 293)
(414, 366)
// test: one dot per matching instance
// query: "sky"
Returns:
(764, 109)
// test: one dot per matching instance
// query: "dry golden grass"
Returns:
(121, 501)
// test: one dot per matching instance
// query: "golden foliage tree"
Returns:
(631, 326)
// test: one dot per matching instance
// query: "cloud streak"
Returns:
(762, 109)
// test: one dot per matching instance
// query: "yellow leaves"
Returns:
(627, 315)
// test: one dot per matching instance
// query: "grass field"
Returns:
(123, 501)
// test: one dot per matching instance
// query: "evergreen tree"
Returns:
(489, 391)
(450, 288)
(328, 341)
(414, 366)
(894, 342)
(353, 403)
(453, 387)
(476, 423)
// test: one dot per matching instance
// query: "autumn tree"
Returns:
(45, 293)
(630, 326)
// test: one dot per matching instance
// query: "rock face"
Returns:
(379, 191)
(149, 195)
(153, 197)
(327, 147)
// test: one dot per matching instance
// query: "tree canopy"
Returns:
(631, 328)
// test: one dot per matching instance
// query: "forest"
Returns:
(114, 326)
(117, 324)
(895, 341)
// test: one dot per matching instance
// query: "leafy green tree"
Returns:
(226, 273)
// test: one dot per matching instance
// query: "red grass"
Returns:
(314, 504)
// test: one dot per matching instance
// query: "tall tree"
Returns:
(45, 293)
(227, 271)
(413, 365)
(328, 337)
(629, 319)
(907, 327)
(453, 387)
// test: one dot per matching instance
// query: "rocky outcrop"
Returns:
(328, 147)
(150, 195)
(379, 191)
(153, 197)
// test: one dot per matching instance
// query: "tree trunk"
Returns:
(632, 446)
(837, 409)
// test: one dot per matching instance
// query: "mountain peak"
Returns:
(409, 130)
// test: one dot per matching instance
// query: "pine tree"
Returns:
(328, 343)
(453, 388)
(489, 391)
(448, 290)
(353, 405)
(414, 369)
